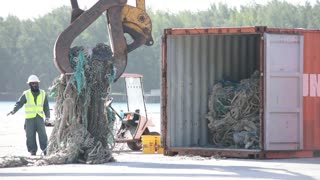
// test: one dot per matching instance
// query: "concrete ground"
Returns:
(136, 165)
(145, 166)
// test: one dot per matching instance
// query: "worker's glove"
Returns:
(11, 113)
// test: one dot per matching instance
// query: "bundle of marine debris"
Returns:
(234, 113)
(81, 132)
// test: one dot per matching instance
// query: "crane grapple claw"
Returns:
(122, 19)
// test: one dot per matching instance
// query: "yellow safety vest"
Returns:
(31, 108)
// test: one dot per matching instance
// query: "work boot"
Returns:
(33, 153)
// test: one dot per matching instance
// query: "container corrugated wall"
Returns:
(311, 99)
(194, 64)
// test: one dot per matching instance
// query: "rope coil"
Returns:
(234, 113)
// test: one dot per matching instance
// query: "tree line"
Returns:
(26, 46)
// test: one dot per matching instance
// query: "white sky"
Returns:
(25, 9)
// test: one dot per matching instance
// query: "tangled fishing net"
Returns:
(82, 131)
(234, 113)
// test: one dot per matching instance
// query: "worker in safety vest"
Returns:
(36, 106)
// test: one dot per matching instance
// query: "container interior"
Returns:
(194, 64)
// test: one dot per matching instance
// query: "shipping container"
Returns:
(288, 66)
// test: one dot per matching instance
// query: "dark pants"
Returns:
(33, 126)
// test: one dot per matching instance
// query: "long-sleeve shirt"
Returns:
(22, 100)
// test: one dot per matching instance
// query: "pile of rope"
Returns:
(234, 113)
(81, 132)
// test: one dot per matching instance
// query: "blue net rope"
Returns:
(79, 72)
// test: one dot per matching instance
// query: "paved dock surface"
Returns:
(136, 165)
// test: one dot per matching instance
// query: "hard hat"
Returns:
(33, 78)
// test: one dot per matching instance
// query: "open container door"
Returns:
(283, 94)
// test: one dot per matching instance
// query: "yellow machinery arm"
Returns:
(137, 23)
(122, 18)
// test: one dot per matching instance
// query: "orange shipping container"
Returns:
(289, 64)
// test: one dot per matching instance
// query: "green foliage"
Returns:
(26, 46)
